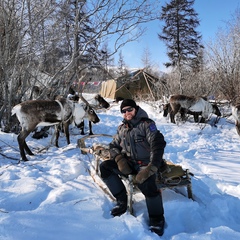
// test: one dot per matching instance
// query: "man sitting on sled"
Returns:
(136, 149)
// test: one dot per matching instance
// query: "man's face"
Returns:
(128, 112)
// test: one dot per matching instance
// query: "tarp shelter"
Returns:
(138, 84)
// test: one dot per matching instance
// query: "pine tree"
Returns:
(179, 33)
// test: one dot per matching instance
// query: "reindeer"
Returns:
(100, 102)
(167, 110)
(194, 104)
(236, 116)
(35, 113)
(97, 103)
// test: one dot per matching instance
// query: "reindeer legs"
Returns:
(58, 128)
(175, 108)
(66, 131)
(57, 133)
(23, 145)
(90, 128)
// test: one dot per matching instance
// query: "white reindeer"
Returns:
(193, 104)
(35, 113)
(98, 102)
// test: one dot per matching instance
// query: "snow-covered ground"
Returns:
(52, 196)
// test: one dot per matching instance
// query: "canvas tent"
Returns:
(137, 84)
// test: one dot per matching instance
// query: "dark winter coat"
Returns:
(140, 140)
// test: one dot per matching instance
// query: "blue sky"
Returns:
(213, 15)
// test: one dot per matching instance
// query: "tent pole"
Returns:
(148, 84)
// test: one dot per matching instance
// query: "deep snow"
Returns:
(53, 196)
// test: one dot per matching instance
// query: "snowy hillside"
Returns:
(53, 196)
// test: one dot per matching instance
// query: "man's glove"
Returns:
(164, 168)
(123, 164)
(114, 152)
(145, 173)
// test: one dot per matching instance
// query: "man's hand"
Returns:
(145, 173)
(123, 164)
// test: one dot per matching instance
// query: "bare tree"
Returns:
(146, 60)
(224, 59)
(122, 68)
(34, 38)
(13, 48)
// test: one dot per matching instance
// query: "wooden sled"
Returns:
(183, 180)
(180, 179)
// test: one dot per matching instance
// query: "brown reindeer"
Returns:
(35, 113)
(193, 104)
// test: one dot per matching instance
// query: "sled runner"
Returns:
(173, 176)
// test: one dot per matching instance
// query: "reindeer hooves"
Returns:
(29, 153)
(24, 160)
(88, 134)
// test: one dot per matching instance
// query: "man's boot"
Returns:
(118, 190)
(121, 206)
(157, 225)
(156, 214)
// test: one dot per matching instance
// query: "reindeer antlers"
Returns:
(83, 99)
